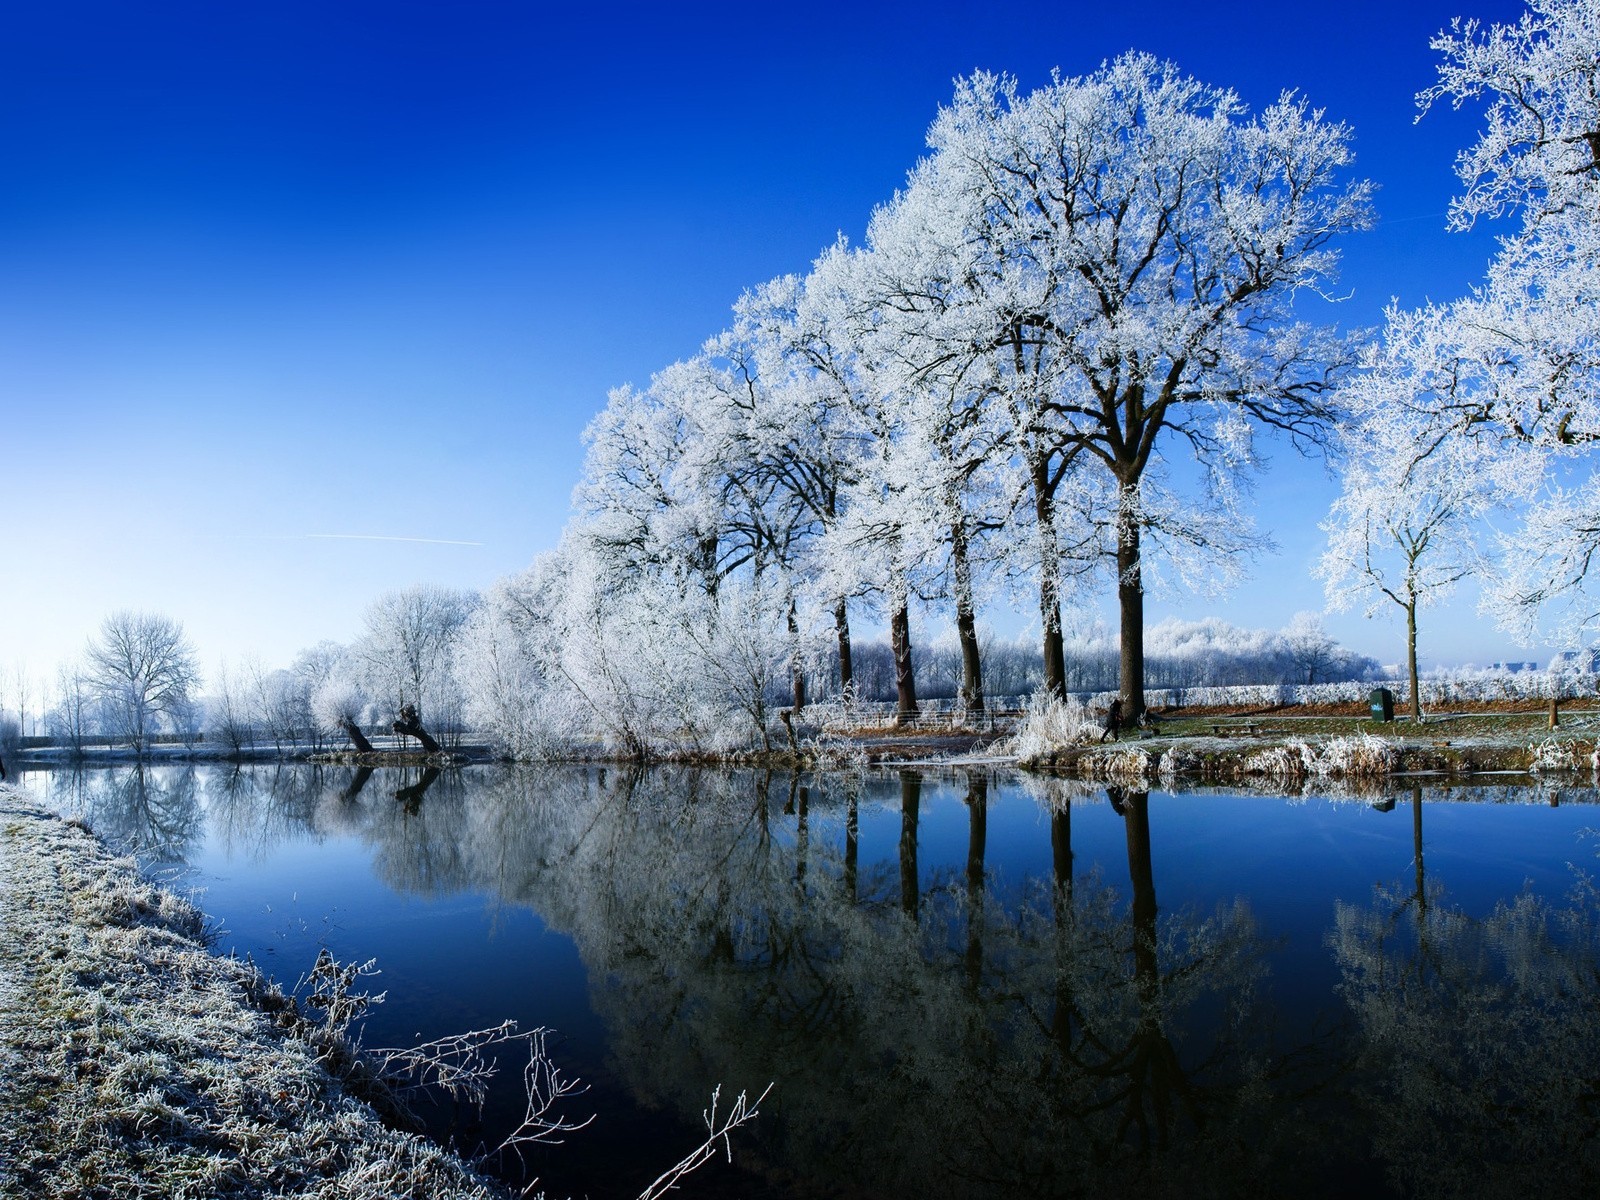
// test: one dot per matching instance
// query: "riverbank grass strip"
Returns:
(138, 1064)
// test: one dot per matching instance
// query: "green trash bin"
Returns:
(1382, 704)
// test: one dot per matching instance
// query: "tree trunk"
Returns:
(1130, 599)
(841, 625)
(409, 725)
(905, 683)
(357, 738)
(966, 625)
(1411, 659)
(1055, 665)
(797, 672)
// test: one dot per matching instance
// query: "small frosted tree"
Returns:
(339, 705)
(408, 652)
(1407, 525)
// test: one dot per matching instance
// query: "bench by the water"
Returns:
(1225, 728)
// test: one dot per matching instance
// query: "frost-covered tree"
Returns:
(510, 665)
(228, 715)
(1527, 336)
(408, 651)
(143, 669)
(1135, 241)
(71, 718)
(931, 405)
(340, 705)
(1407, 525)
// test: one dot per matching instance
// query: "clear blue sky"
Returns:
(273, 272)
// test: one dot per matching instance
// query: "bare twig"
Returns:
(545, 1086)
(742, 1112)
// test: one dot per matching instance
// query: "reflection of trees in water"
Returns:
(931, 1031)
(1057, 1044)
(1480, 1038)
(253, 809)
(151, 812)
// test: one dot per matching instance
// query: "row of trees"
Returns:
(139, 678)
(434, 650)
(1077, 284)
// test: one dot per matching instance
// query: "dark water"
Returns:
(961, 984)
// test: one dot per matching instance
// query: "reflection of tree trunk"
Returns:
(802, 840)
(1061, 849)
(841, 626)
(977, 839)
(905, 682)
(910, 803)
(356, 784)
(411, 796)
(1154, 1075)
(1416, 846)
(1136, 817)
(1061, 860)
(852, 843)
(764, 808)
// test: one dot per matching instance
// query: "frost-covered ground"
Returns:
(137, 1064)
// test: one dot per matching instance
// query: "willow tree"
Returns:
(1134, 243)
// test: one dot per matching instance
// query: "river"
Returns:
(963, 983)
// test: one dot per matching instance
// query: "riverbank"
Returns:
(138, 1064)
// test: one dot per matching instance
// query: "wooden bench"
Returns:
(1224, 728)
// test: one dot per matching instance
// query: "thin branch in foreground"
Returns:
(742, 1112)
(456, 1064)
(545, 1087)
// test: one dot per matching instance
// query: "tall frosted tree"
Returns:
(1134, 241)
(142, 669)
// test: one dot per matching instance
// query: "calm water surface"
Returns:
(961, 984)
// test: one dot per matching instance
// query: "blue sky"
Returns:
(300, 302)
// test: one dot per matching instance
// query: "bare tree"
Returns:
(143, 668)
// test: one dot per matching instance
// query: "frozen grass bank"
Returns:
(137, 1064)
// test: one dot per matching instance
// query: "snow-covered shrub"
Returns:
(1360, 756)
(1553, 755)
(1176, 762)
(1049, 724)
(1129, 768)
(1278, 762)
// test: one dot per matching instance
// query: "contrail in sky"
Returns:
(380, 537)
